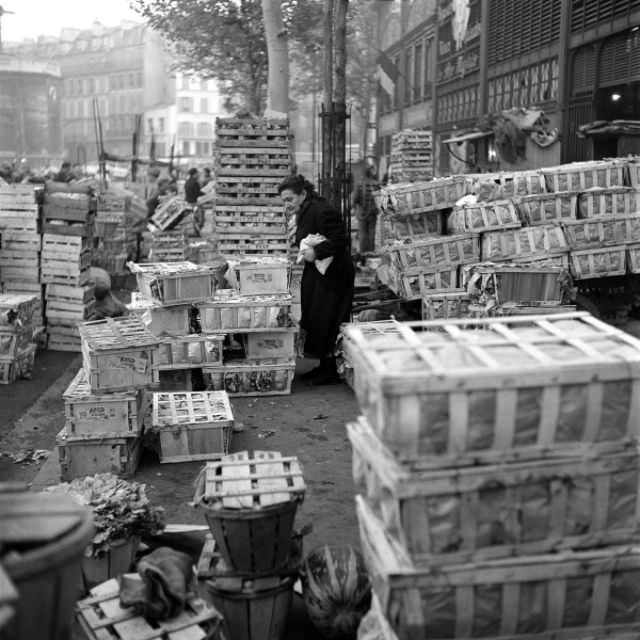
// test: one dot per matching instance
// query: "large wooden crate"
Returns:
(567, 596)
(170, 213)
(244, 244)
(602, 231)
(442, 306)
(88, 455)
(174, 283)
(17, 309)
(242, 314)
(498, 186)
(118, 354)
(484, 216)
(259, 377)
(529, 386)
(607, 202)
(421, 197)
(598, 263)
(249, 132)
(193, 425)
(263, 276)
(109, 414)
(160, 320)
(248, 160)
(477, 513)
(102, 617)
(414, 283)
(70, 295)
(436, 252)
(579, 176)
(525, 242)
(548, 208)
(277, 344)
(414, 226)
(191, 351)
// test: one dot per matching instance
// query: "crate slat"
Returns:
(437, 252)
(482, 217)
(511, 244)
(261, 377)
(598, 263)
(191, 351)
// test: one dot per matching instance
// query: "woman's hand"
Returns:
(309, 254)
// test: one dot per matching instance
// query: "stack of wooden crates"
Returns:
(499, 477)
(411, 155)
(106, 402)
(252, 159)
(18, 328)
(69, 219)
(113, 240)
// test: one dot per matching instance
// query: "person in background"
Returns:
(206, 177)
(326, 292)
(65, 174)
(192, 190)
(366, 211)
(161, 189)
(173, 181)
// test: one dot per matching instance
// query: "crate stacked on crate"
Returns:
(253, 157)
(169, 246)
(106, 402)
(411, 155)
(113, 240)
(18, 321)
(498, 469)
(251, 557)
(258, 315)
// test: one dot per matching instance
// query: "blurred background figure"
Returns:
(366, 211)
(192, 189)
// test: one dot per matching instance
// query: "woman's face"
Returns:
(292, 200)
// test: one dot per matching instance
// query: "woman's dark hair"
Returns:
(193, 171)
(297, 184)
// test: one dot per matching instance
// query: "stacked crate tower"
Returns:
(411, 155)
(68, 226)
(498, 468)
(113, 241)
(19, 315)
(106, 402)
(253, 156)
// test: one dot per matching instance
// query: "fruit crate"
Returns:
(160, 320)
(607, 202)
(60, 247)
(548, 208)
(118, 354)
(414, 226)
(88, 455)
(193, 425)
(484, 216)
(492, 388)
(263, 276)
(109, 414)
(280, 344)
(568, 595)
(231, 215)
(190, 351)
(442, 306)
(102, 617)
(251, 132)
(17, 309)
(421, 197)
(580, 176)
(174, 283)
(598, 263)
(70, 295)
(84, 229)
(531, 242)
(474, 513)
(252, 377)
(248, 248)
(436, 252)
(170, 213)
(500, 186)
(413, 284)
(602, 231)
(238, 314)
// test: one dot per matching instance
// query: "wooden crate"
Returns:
(118, 354)
(58, 311)
(525, 242)
(175, 380)
(415, 226)
(170, 213)
(9, 338)
(442, 306)
(263, 276)
(57, 342)
(172, 283)
(602, 231)
(579, 176)
(280, 344)
(421, 197)
(26, 275)
(20, 240)
(548, 208)
(569, 595)
(83, 229)
(531, 386)
(484, 216)
(541, 261)
(61, 272)
(598, 263)
(260, 377)
(191, 351)
(86, 456)
(112, 414)
(436, 252)
(61, 247)
(236, 314)
(414, 283)
(244, 244)
(607, 202)
(477, 513)
(499, 186)
(101, 617)
(17, 308)
(193, 425)
(160, 320)
(7, 371)
(70, 295)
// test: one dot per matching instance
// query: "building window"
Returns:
(161, 125)
(428, 61)
(417, 73)
(185, 104)
(186, 150)
(185, 83)
(185, 130)
(139, 79)
(149, 125)
(204, 130)
(204, 105)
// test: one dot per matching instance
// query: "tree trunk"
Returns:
(276, 36)
(341, 199)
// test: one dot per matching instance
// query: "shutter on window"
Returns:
(586, 14)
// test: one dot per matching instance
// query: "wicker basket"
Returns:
(602, 231)
(548, 208)
(598, 263)
(436, 252)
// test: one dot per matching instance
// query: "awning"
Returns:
(473, 135)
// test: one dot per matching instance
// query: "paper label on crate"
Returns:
(139, 365)
(260, 278)
(271, 343)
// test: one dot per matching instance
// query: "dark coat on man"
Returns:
(326, 300)
(192, 190)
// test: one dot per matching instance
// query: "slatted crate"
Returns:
(70, 295)
(193, 425)
(568, 596)
(602, 231)
(12, 240)
(174, 283)
(475, 513)
(247, 160)
(174, 320)
(60, 312)
(598, 263)
(633, 167)
(250, 132)
(498, 186)
(22, 274)
(82, 456)
(17, 259)
(60, 272)
(536, 241)
(279, 344)
(257, 246)
(170, 213)
(580, 176)
(414, 283)
(413, 226)
(541, 261)
(83, 229)
(608, 202)
(252, 225)
(110, 414)
(263, 275)
(254, 377)
(484, 216)
(231, 214)
(548, 208)
(61, 341)
(493, 388)
(236, 314)
(118, 354)
(421, 197)
(9, 339)
(102, 617)
(17, 309)
(60, 247)
(442, 306)
(532, 308)
(436, 252)
(191, 351)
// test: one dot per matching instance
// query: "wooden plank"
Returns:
(271, 478)
(236, 482)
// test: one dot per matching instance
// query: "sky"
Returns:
(46, 17)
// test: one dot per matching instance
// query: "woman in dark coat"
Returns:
(326, 299)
